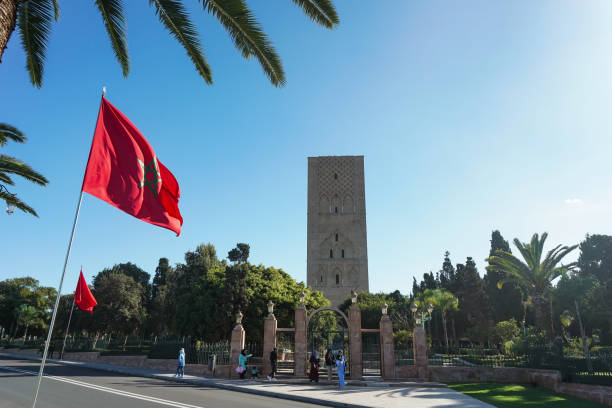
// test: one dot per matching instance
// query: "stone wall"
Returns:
(479, 374)
(552, 381)
(406, 371)
(595, 393)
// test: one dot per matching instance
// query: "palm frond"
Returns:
(322, 12)
(17, 203)
(247, 34)
(12, 165)
(527, 253)
(174, 17)
(4, 178)
(34, 21)
(537, 245)
(56, 10)
(116, 26)
(509, 264)
(8, 132)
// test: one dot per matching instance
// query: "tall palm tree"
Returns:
(10, 165)
(533, 274)
(445, 301)
(34, 19)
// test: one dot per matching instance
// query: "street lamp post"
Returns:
(421, 316)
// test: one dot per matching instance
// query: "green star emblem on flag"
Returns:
(151, 182)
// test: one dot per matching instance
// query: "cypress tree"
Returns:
(507, 302)
(473, 302)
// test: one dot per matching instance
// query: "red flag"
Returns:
(83, 297)
(124, 171)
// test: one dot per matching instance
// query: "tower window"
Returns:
(331, 253)
(337, 279)
(335, 176)
(321, 278)
(343, 253)
(336, 237)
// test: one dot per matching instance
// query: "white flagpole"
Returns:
(67, 329)
(59, 290)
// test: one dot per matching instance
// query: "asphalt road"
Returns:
(78, 387)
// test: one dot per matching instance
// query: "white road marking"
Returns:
(106, 389)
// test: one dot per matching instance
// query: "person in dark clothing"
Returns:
(273, 363)
(51, 350)
(314, 367)
(330, 363)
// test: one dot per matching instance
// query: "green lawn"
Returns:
(517, 395)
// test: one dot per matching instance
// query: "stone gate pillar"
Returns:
(355, 339)
(419, 345)
(387, 358)
(269, 340)
(300, 339)
(237, 344)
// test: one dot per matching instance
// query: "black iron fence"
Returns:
(370, 353)
(196, 352)
(572, 368)
(404, 355)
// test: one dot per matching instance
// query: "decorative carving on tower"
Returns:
(337, 259)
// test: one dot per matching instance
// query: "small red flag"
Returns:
(83, 297)
(124, 171)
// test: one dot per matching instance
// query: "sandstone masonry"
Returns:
(337, 254)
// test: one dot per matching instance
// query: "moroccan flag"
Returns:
(83, 297)
(124, 171)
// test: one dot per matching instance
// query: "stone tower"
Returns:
(337, 251)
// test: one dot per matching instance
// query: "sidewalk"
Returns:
(367, 394)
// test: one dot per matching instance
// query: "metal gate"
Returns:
(322, 340)
(285, 344)
(370, 354)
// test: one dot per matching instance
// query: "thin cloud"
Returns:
(573, 201)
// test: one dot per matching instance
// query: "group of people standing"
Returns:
(331, 361)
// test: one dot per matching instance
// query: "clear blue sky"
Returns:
(472, 116)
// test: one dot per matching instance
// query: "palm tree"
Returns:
(534, 275)
(34, 19)
(446, 302)
(10, 165)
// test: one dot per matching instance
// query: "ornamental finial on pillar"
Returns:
(270, 307)
(239, 317)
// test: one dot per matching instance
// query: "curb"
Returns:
(206, 382)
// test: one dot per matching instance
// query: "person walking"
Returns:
(51, 349)
(242, 362)
(341, 364)
(329, 363)
(273, 363)
(314, 366)
(180, 368)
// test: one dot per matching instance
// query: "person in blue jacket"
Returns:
(180, 368)
(341, 364)
(242, 362)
